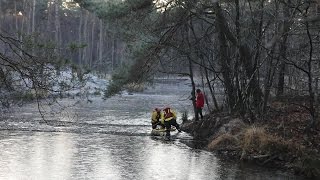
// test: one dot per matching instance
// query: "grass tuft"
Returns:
(223, 141)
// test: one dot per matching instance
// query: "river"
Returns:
(110, 139)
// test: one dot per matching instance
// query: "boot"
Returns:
(167, 138)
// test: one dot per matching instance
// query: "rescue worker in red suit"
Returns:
(170, 119)
(199, 104)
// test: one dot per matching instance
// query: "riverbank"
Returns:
(279, 141)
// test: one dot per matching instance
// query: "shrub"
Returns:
(255, 140)
(112, 89)
(134, 87)
(26, 96)
(97, 93)
(185, 116)
(224, 141)
(118, 80)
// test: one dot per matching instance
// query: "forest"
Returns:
(40, 38)
(258, 50)
(263, 54)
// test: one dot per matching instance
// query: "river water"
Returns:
(110, 139)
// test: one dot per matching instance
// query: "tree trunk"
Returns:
(281, 82)
(29, 19)
(33, 23)
(16, 19)
(271, 69)
(22, 30)
(80, 39)
(57, 25)
(203, 85)
(113, 53)
(211, 88)
(283, 50)
(92, 41)
(33, 16)
(193, 85)
(313, 111)
(49, 30)
(100, 42)
(225, 58)
(85, 39)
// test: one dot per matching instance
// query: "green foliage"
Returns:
(131, 21)
(97, 93)
(27, 96)
(145, 61)
(125, 17)
(185, 116)
(118, 80)
(112, 89)
(114, 9)
(134, 73)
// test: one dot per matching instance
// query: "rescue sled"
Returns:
(161, 131)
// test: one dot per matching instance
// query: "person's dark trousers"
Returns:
(168, 124)
(175, 124)
(199, 111)
(154, 125)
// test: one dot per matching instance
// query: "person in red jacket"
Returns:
(199, 104)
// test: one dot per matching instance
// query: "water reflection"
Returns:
(42, 155)
(110, 140)
(30, 155)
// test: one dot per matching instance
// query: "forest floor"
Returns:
(280, 140)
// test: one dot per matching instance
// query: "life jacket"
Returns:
(156, 116)
(168, 114)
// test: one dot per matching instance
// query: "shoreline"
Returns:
(270, 143)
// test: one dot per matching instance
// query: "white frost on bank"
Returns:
(92, 84)
(65, 83)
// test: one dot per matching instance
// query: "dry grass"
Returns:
(223, 141)
(255, 140)
(279, 142)
(134, 87)
(255, 137)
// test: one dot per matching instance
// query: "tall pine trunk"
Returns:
(85, 39)
(80, 39)
(57, 25)
(92, 41)
(101, 32)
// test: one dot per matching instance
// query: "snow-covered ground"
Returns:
(66, 83)
(92, 84)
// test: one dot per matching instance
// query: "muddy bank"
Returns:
(278, 142)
